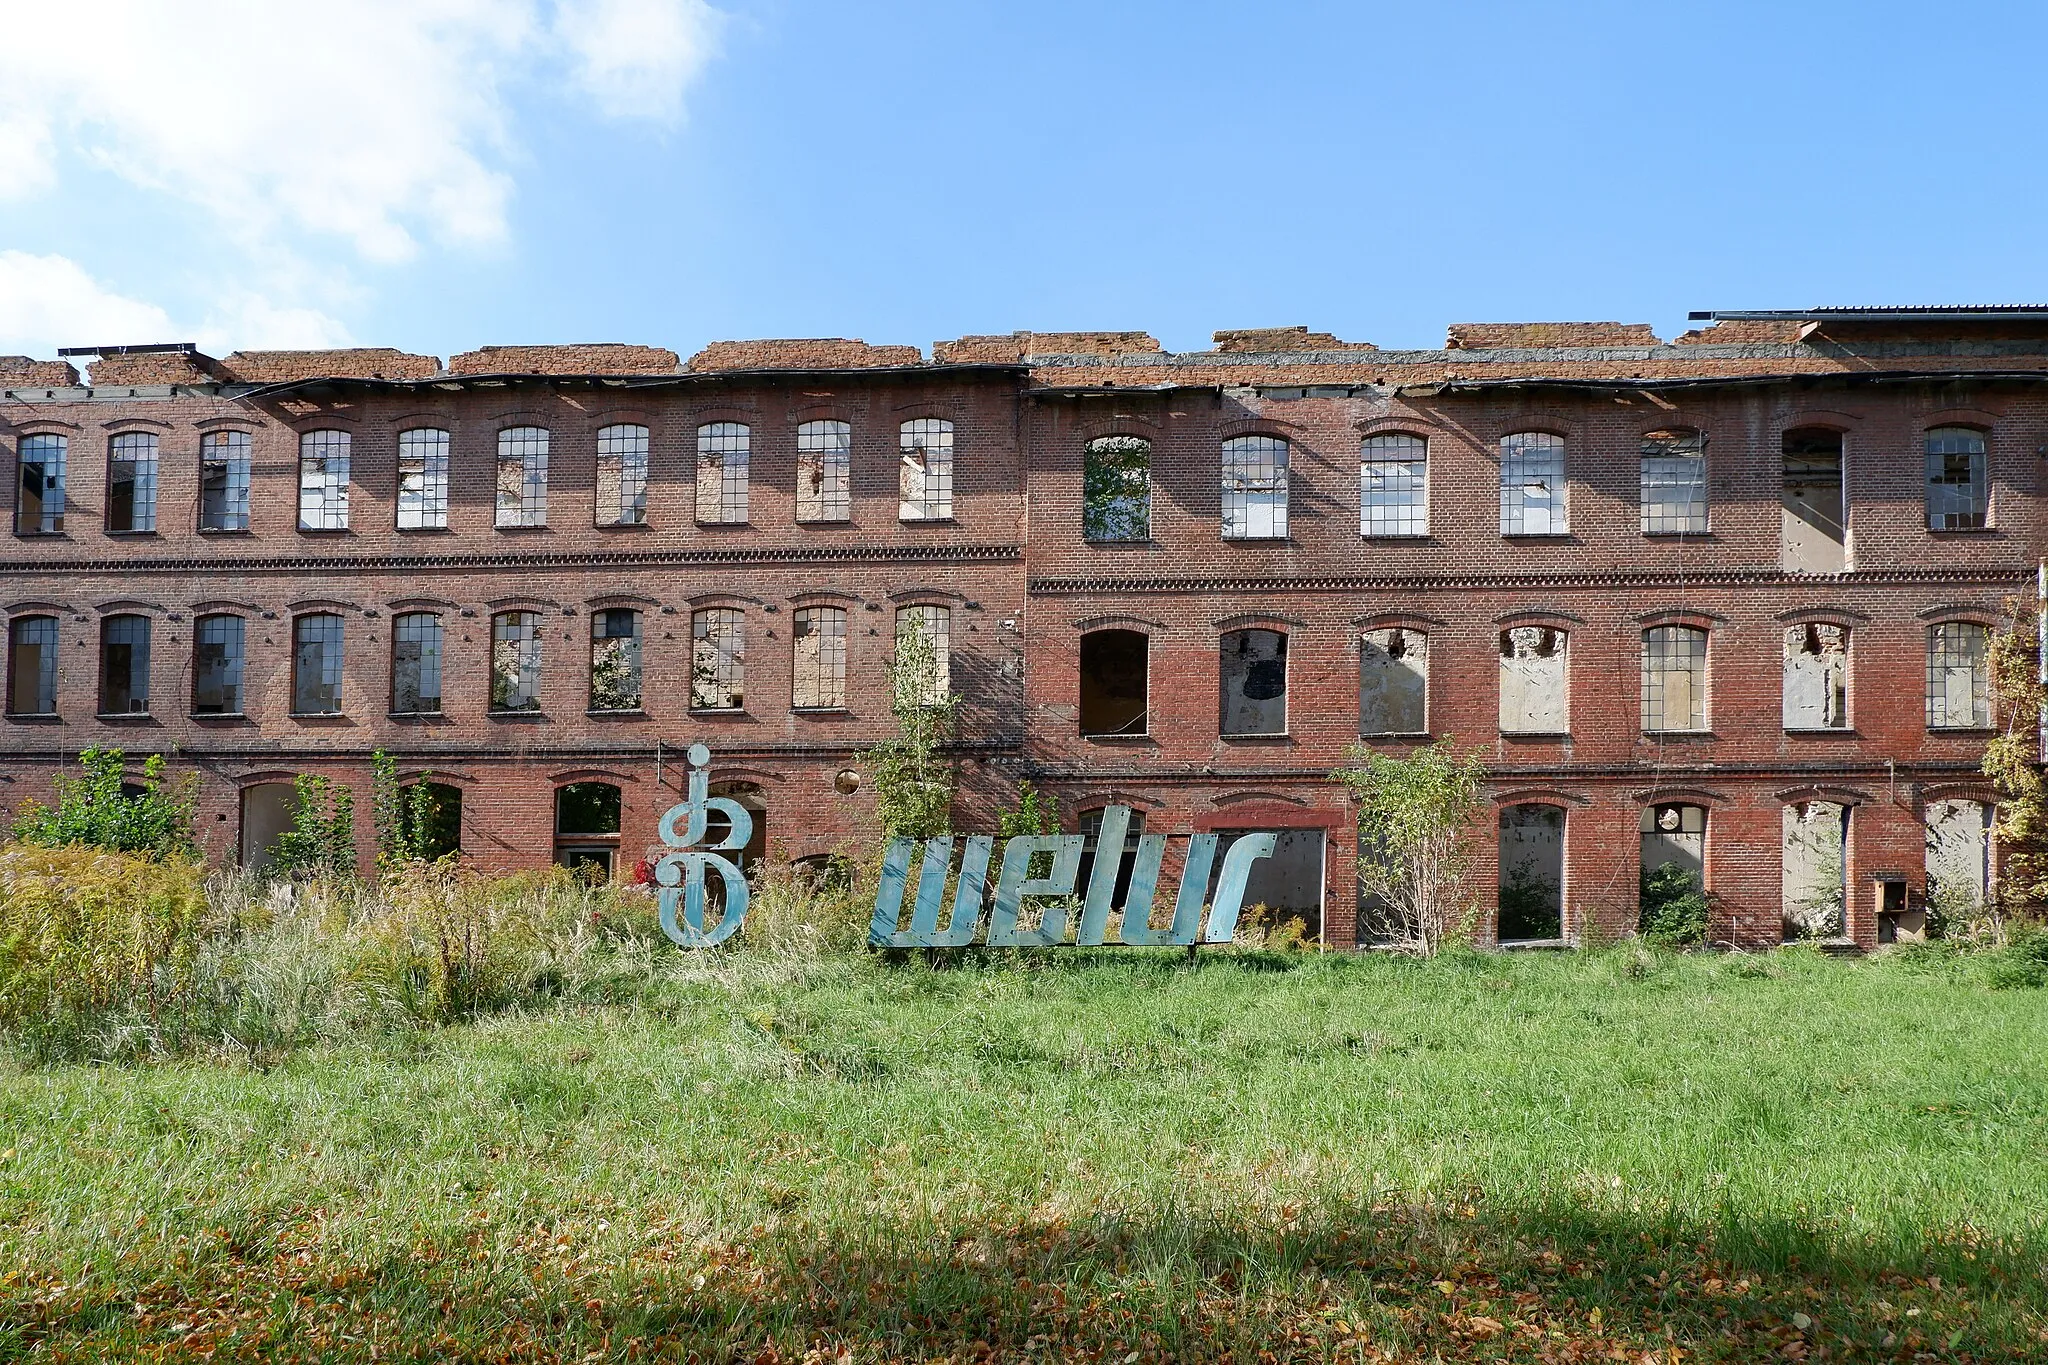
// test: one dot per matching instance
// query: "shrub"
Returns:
(2022, 963)
(1674, 907)
(95, 810)
(322, 840)
(1415, 834)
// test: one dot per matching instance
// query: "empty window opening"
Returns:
(722, 453)
(1958, 483)
(924, 653)
(124, 665)
(131, 482)
(416, 664)
(824, 471)
(1254, 683)
(1255, 488)
(718, 660)
(32, 666)
(1393, 682)
(268, 811)
(1814, 515)
(1816, 677)
(615, 659)
(323, 481)
(621, 476)
(587, 817)
(515, 661)
(1286, 886)
(1532, 484)
(1674, 866)
(718, 828)
(431, 819)
(422, 479)
(39, 500)
(1958, 676)
(1958, 864)
(820, 641)
(1114, 682)
(1815, 852)
(316, 665)
(1532, 681)
(1531, 874)
(224, 481)
(217, 665)
(1674, 482)
(523, 477)
(1393, 485)
(1116, 489)
(1674, 678)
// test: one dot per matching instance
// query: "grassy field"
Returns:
(1601, 1156)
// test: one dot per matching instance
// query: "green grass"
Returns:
(1528, 1157)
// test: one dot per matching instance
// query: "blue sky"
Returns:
(439, 174)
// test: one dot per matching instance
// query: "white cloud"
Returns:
(247, 321)
(634, 58)
(47, 301)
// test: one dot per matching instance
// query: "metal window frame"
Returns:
(229, 683)
(41, 451)
(524, 449)
(230, 452)
(1393, 485)
(937, 623)
(423, 459)
(1957, 504)
(425, 631)
(602, 638)
(324, 466)
(1674, 483)
(621, 475)
(924, 447)
(332, 642)
(46, 663)
(138, 450)
(1669, 652)
(1953, 644)
(517, 692)
(824, 470)
(138, 625)
(724, 457)
(1526, 459)
(823, 674)
(718, 666)
(1254, 475)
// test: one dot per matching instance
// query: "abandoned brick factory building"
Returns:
(1724, 600)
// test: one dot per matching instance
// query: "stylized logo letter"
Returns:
(681, 875)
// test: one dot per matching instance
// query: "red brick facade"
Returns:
(1023, 585)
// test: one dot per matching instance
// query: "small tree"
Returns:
(2012, 762)
(912, 778)
(404, 816)
(1415, 827)
(95, 809)
(321, 844)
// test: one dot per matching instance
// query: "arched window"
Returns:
(523, 477)
(1816, 677)
(416, 664)
(924, 653)
(1393, 485)
(1815, 859)
(515, 661)
(1958, 483)
(1674, 482)
(1116, 489)
(1254, 683)
(587, 820)
(423, 479)
(621, 475)
(316, 665)
(431, 819)
(1534, 696)
(1958, 676)
(131, 482)
(824, 471)
(718, 669)
(1114, 683)
(1531, 873)
(217, 665)
(925, 447)
(615, 659)
(1671, 904)
(32, 666)
(820, 645)
(124, 665)
(224, 481)
(323, 481)
(1393, 682)
(722, 454)
(1674, 678)
(39, 498)
(1255, 488)
(1532, 488)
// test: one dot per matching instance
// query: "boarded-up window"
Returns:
(1532, 681)
(717, 660)
(39, 502)
(1815, 851)
(1116, 489)
(1813, 516)
(1255, 488)
(1532, 484)
(615, 659)
(1393, 682)
(1113, 682)
(323, 481)
(1958, 482)
(515, 661)
(422, 479)
(1254, 683)
(1674, 678)
(924, 653)
(1393, 485)
(820, 634)
(1958, 676)
(1674, 482)
(621, 475)
(925, 448)
(131, 482)
(1531, 873)
(523, 476)
(824, 470)
(722, 454)
(1958, 858)
(32, 666)
(1816, 677)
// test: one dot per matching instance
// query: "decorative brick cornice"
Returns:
(328, 565)
(1691, 579)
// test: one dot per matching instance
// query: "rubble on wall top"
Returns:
(1489, 336)
(802, 353)
(361, 362)
(590, 358)
(28, 372)
(1265, 340)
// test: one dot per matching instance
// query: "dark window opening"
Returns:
(434, 827)
(1113, 682)
(587, 808)
(217, 666)
(124, 665)
(1531, 873)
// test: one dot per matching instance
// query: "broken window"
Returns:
(32, 666)
(1674, 482)
(1958, 861)
(1958, 488)
(416, 664)
(217, 666)
(1670, 889)
(587, 819)
(423, 479)
(1393, 485)
(1816, 846)
(316, 665)
(1532, 484)
(924, 652)
(615, 659)
(926, 449)
(1813, 519)
(224, 481)
(1532, 681)
(1675, 833)
(1674, 678)
(131, 482)
(1116, 489)
(515, 661)
(717, 659)
(621, 475)
(523, 477)
(124, 665)
(1255, 488)
(722, 449)
(820, 634)
(323, 481)
(1816, 677)
(1531, 873)
(1958, 676)
(824, 463)
(1114, 683)
(430, 818)
(1393, 682)
(1254, 683)
(39, 508)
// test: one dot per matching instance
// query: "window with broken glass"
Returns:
(1393, 682)
(1533, 696)
(39, 506)
(1116, 489)
(924, 637)
(323, 481)
(131, 482)
(1255, 488)
(515, 661)
(615, 659)
(1958, 676)
(925, 446)
(722, 454)
(316, 665)
(1393, 485)
(522, 477)
(824, 471)
(1674, 483)
(820, 643)
(1532, 484)
(224, 481)
(416, 664)
(1674, 678)
(124, 665)
(32, 666)
(1958, 489)
(1254, 683)
(217, 665)
(717, 659)
(422, 479)
(621, 475)
(1816, 677)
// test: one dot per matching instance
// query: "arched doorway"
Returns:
(267, 813)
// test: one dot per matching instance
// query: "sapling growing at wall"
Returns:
(2012, 762)
(912, 778)
(1417, 820)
